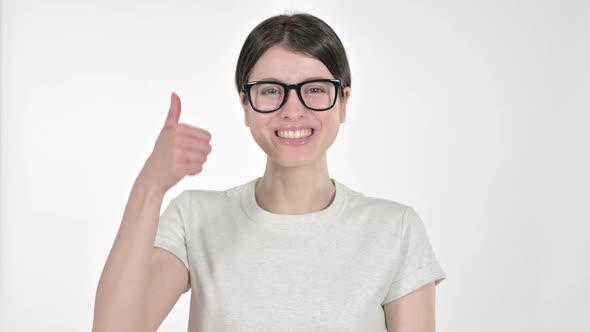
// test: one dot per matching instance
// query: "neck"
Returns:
(295, 190)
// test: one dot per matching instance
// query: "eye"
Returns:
(316, 90)
(270, 91)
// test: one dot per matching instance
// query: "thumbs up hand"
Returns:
(180, 150)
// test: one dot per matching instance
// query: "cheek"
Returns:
(331, 120)
(259, 124)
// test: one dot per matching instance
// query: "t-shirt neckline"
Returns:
(258, 214)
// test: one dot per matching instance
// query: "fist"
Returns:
(180, 150)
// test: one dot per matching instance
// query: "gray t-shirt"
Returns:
(329, 270)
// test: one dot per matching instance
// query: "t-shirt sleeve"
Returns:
(171, 233)
(417, 261)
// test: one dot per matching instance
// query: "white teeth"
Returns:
(294, 134)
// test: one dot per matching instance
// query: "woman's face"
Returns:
(288, 67)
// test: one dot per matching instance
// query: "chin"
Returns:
(293, 161)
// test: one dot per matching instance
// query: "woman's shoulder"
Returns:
(368, 200)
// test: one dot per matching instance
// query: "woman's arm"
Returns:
(138, 279)
(414, 312)
(121, 293)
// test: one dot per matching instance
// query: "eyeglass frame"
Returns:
(246, 87)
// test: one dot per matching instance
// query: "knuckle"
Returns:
(204, 133)
(194, 169)
(184, 127)
(198, 158)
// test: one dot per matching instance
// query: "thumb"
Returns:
(174, 111)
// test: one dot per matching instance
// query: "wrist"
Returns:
(152, 189)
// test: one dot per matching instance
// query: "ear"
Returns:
(244, 103)
(346, 91)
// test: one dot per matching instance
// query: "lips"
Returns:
(295, 142)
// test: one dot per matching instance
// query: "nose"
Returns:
(293, 107)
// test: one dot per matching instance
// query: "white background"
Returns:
(474, 112)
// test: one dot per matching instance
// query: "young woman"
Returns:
(292, 250)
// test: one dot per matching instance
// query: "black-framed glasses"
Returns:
(268, 96)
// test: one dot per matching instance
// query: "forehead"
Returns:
(287, 66)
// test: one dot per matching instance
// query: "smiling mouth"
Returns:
(295, 134)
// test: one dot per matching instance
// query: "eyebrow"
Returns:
(305, 79)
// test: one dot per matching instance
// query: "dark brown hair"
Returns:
(301, 33)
